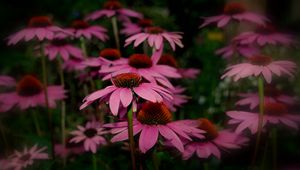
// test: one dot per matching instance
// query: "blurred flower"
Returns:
(90, 135)
(131, 28)
(274, 113)
(125, 87)
(144, 66)
(40, 27)
(25, 158)
(234, 12)
(214, 141)
(260, 65)
(69, 149)
(81, 28)
(264, 35)
(154, 120)
(236, 48)
(29, 92)
(178, 98)
(113, 8)
(74, 64)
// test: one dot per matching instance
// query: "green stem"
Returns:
(116, 31)
(206, 166)
(36, 123)
(263, 164)
(131, 139)
(83, 46)
(274, 148)
(94, 160)
(155, 160)
(260, 119)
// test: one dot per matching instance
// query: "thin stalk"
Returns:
(116, 31)
(94, 160)
(155, 160)
(83, 46)
(36, 123)
(131, 139)
(206, 166)
(263, 164)
(274, 148)
(260, 119)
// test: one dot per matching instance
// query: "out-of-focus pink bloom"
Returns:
(20, 160)
(125, 87)
(264, 35)
(236, 48)
(131, 28)
(7, 81)
(74, 64)
(30, 93)
(5, 164)
(260, 65)
(274, 113)
(234, 12)
(40, 28)
(113, 8)
(144, 66)
(69, 149)
(189, 73)
(60, 47)
(214, 142)
(90, 135)
(81, 28)
(154, 120)
(178, 98)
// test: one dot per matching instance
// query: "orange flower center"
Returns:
(40, 21)
(260, 60)
(154, 114)
(168, 59)
(80, 24)
(112, 5)
(145, 23)
(276, 109)
(140, 61)
(234, 8)
(154, 30)
(127, 80)
(29, 86)
(209, 127)
(91, 132)
(110, 54)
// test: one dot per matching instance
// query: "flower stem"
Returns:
(274, 148)
(130, 135)
(206, 166)
(83, 46)
(155, 160)
(45, 84)
(116, 31)
(36, 123)
(260, 119)
(94, 160)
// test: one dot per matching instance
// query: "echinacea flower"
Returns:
(90, 135)
(29, 92)
(125, 87)
(154, 121)
(215, 141)
(131, 28)
(40, 28)
(68, 149)
(237, 48)
(234, 12)
(260, 65)
(264, 35)
(82, 28)
(178, 98)
(22, 159)
(274, 113)
(60, 47)
(271, 94)
(113, 8)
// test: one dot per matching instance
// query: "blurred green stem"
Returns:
(206, 166)
(83, 46)
(116, 31)
(155, 160)
(130, 135)
(36, 123)
(94, 159)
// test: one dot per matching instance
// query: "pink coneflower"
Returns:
(25, 158)
(234, 12)
(178, 98)
(131, 28)
(113, 8)
(125, 87)
(40, 28)
(69, 149)
(7, 81)
(144, 66)
(274, 113)
(81, 28)
(29, 93)
(74, 64)
(264, 35)
(236, 48)
(271, 95)
(214, 142)
(60, 47)
(90, 135)
(260, 65)
(154, 120)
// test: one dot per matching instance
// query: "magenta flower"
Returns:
(90, 135)
(234, 12)
(40, 28)
(25, 158)
(264, 35)
(125, 87)
(275, 113)
(113, 8)
(60, 47)
(214, 142)
(143, 65)
(74, 64)
(29, 92)
(260, 65)
(154, 120)
(178, 98)
(69, 149)
(236, 48)
(83, 29)
(131, 28)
